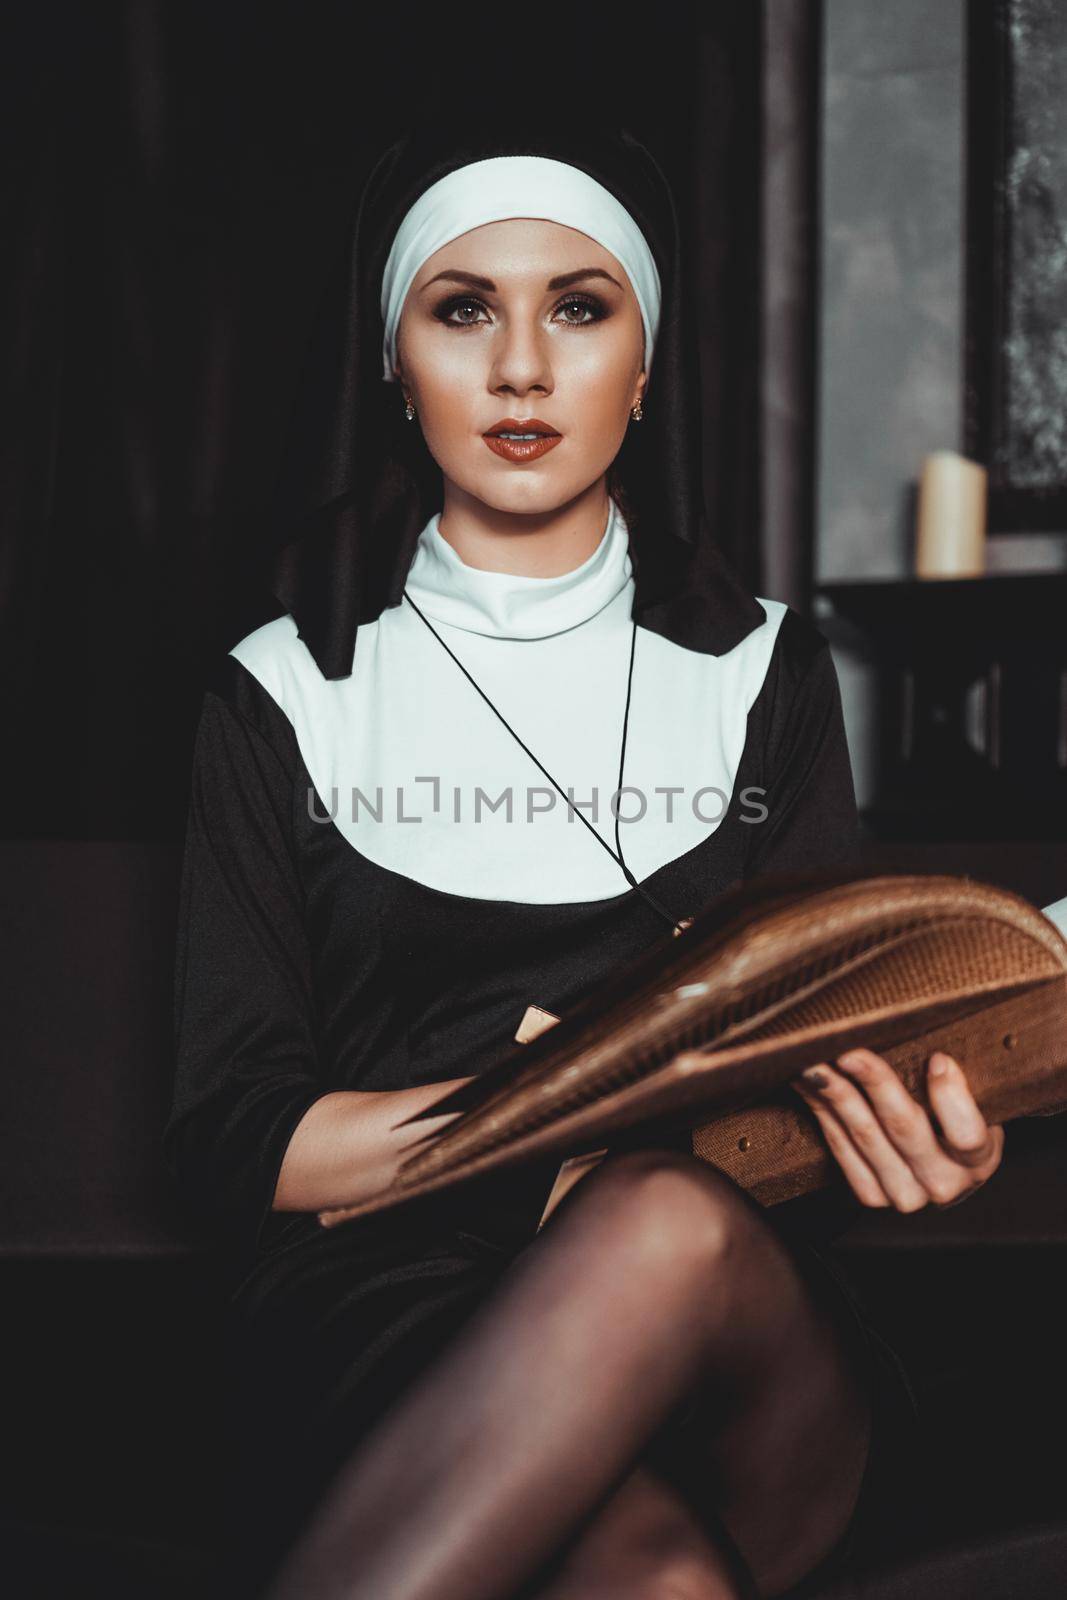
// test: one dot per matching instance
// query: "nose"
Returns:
(521, 359)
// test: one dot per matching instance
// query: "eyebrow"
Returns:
(564, 280)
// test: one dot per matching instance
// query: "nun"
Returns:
(516, 720)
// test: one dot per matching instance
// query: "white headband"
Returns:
(516, 186)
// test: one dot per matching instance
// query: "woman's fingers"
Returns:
(906, 1129)
(895, 1136)
(971, 1140)
(863, 1128)
(862, 1179)
(968, 1151)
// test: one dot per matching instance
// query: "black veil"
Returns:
(357, 483)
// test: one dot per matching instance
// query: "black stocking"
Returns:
(657, 1287)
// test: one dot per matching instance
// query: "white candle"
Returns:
(951, 520)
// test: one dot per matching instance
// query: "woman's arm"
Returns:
(348, 1144)
(255, 1124)
(246, 1063)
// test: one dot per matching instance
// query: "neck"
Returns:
(519, 605)
(525, 544)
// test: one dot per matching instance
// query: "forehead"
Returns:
(520, 248)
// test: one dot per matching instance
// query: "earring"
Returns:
(636, 411)
(409, 410)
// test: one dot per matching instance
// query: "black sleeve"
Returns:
(812, 821)
(246, 1068)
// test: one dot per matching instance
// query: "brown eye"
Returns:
(466, 302)
(581, 304)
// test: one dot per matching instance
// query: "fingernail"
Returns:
(814, 1076)
(853, 1059)
(938, 1065)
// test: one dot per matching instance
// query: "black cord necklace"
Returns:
(678, 924)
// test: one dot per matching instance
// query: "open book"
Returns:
(704, 1030)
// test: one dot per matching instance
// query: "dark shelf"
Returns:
(994, 610)
(971, 703)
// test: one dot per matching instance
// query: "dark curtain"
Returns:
(177, 179)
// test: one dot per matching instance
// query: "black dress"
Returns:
(304, 967)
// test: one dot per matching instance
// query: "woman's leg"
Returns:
(656, 1281)
(646, 1543)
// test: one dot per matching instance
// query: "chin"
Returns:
(528, 497)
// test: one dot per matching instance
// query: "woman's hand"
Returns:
(886, 1144)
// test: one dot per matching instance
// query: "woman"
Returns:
(646, 1385)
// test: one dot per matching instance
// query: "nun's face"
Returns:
(490, 332)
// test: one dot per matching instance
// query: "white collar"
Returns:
(511, 606)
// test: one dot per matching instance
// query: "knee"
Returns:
(669, 1208)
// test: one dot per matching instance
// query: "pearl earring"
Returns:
(636, 411)
(409, 411)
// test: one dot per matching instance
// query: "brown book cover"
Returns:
(704, 1030)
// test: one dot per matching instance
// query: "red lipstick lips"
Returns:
(521, 447)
